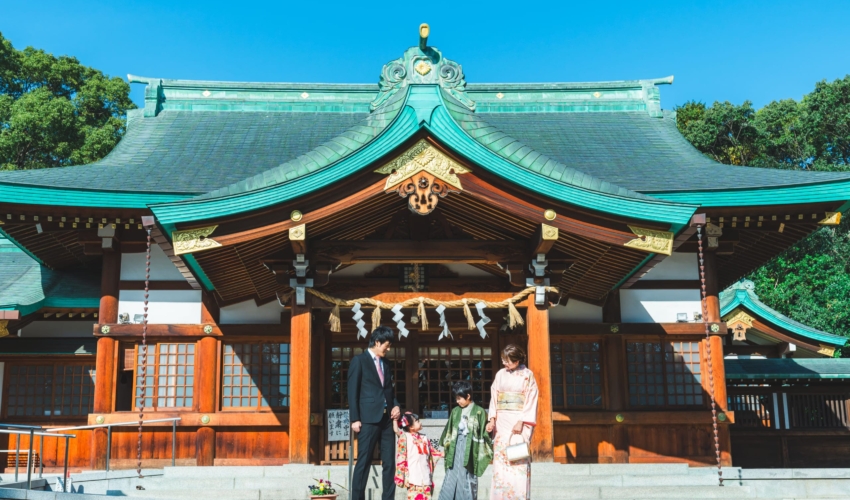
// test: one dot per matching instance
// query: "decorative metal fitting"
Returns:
(721, 417)
(615, 328)
(296, 215)
(205, 419)
(620, 418)
(208, 329)
(715, 328)
(100, 419)
(549, 214)
(104, 329)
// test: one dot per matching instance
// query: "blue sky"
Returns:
(721, 50)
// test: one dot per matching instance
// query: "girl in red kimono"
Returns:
(415, 458)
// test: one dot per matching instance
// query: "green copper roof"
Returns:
(27, 286)
(222, 138)
(420, 107)
(786, 369)
(742, 294)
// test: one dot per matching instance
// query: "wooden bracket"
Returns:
(298, 239)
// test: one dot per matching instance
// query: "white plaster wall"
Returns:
(180, 307)
(576, 311)
(59, 329)
(658, 306)
(679, 266)
(247, 313)
(162, 269)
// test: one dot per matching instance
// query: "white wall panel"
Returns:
(658, 306)
(247, 313)
(576, 312)
(179, 307)
(679, 266)
(162, 269)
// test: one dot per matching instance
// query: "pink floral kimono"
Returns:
(514, 399)
(414, 465)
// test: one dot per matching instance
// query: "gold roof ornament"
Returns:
(651, 240)
(739, 322)
(423, 174)
(826, 350)
(831, 219)
(4, 328)
(194, 240)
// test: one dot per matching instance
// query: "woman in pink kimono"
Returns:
(513, 410)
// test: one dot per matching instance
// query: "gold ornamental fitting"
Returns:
(550, 214)
(205, 419)
(296, 215)
(100, 419)
(620, 418)
(424, 30)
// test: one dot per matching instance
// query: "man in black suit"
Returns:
(372, 407)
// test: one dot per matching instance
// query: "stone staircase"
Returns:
(549, 481)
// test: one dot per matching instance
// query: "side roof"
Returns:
(787, 369)
(28, 286)
(742, 294)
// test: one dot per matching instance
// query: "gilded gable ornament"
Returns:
(4, 327)
(739, 322)
(423, 175)
(194, 240)
(422, 65)
(651, 240)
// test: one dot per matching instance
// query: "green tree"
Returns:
(55, 111)
(809, 282)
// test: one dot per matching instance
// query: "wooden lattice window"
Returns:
(53, 391)
(255, 375)
(341, 360)
(576, 374)
(169, 379)
(752, 410)
(817, 411)
(665, 374)
(440, 367)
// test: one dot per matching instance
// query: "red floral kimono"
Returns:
(414, 465)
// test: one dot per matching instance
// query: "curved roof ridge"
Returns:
(743, 294)
(323, 155)
(521, 154)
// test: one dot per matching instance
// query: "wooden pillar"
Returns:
(207, 367)
(104, 389)
(615, 367)
(300, 382)
(712, 292)
(611, 308)
(537, 326)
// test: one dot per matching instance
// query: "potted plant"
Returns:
(323, 489)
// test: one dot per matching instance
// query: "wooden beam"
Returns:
(155, 285)
(544, 238)
(635, 328)
(226, 239)
(193, 419)
(584, 417)
(135, 330)
(712, 288)
(419, 252)
(611, 312)
(298, 239)
(300, 390)
(104, 390)
(371, 286)
(10, 315)
(537, 328)
(768, 329)
(494, 196)
(394, 297)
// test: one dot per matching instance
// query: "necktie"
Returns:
(380, 371)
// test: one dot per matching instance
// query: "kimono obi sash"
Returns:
(510, 401)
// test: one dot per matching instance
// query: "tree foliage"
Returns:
(809, 282)
(56, 112)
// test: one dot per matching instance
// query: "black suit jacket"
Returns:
(366, 395)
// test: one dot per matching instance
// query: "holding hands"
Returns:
(491, 425)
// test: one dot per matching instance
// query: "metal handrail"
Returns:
(109, 427)
(32, 433)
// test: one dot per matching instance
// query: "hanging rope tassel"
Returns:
(423, 319)
(483, 321)
(514, 317)
(376, 316)
(441, 310)
(468, 315)
(334, 320)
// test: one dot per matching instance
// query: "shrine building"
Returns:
(262, 224)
